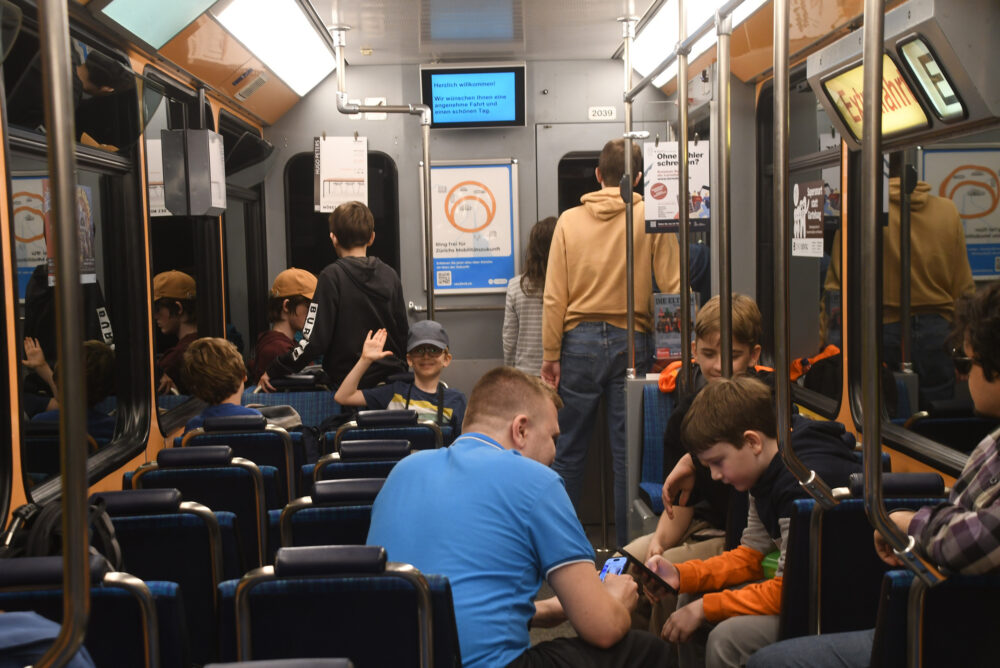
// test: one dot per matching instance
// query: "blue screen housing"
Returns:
(474, 97)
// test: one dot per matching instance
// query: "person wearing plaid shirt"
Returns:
(962, 534)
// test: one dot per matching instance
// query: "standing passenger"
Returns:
(287, 307)
(174, 295)
(522, 320)
(354, 295)
(583, 324)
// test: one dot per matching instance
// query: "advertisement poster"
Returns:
(970, 177)
(474, 222)
(807, 219)
(667, 325)
(31, 225)
(340, 172)
(660, 174)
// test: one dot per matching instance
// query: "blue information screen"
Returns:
(474, 97)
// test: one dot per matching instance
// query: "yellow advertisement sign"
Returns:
(900, 109)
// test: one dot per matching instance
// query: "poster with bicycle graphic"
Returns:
(969, 175)
(475, 225)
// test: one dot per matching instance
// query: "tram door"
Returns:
(565, 157)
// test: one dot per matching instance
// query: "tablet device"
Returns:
(614, 565)
(647, 577)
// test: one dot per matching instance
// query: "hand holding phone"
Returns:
(653, 583)
(613, 565)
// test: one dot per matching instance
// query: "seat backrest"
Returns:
(840, 539)
(960, 433)
(129, 622)
(163, 538)
(210, 475)
(312, 407)
(270, 446)
(285, 611)
(656, 409)
(338, 513)
(386, 425)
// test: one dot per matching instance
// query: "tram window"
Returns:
(308, 232)
(577, 178)
(814, 201)
(185, 253)
(39, 373)
(952, 251)
(104, 93)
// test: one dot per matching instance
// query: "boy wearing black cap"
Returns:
(427, 352)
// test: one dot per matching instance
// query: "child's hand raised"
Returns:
(374, 343)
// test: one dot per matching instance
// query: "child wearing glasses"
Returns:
(428, 355)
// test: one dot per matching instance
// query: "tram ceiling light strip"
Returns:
(282, 37)
(659, 35)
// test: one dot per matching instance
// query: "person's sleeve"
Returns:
(962, 281)
(556, 533)
(667, 262)
(379, 397)
(759, 598)
(510, 324)
(315, 335)
(959, 538)
(556, 297)
(732, 567)
(832, 280)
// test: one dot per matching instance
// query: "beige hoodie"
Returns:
(585, 279)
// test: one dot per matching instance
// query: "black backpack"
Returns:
(36, 531)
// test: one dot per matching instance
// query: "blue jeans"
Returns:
(930, 355)
(592, 365)
(852, 649)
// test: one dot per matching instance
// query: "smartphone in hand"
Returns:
(613, 565)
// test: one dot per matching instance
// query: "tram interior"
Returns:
(202, 77)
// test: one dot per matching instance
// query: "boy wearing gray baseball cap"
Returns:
(428, 355)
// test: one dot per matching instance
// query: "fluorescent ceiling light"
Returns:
(279, 34)
(659, 36)
(155, 22)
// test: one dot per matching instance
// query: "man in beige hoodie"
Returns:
(584, 319)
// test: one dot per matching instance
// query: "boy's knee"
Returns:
(734, 640)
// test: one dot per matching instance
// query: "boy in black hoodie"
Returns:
(354, 295)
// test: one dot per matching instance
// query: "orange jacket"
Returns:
(802, 365)
(732, 567)
(668, 377)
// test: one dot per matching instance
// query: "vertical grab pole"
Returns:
(61, 132)
(628, 34)
(813, 484)
(905, 295)
(425, 137)
(724, 28)
(683, 197)
(871, 311)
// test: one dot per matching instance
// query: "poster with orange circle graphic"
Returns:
(969, 175)
(474, 216)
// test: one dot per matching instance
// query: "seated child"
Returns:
(427, 353)
(214, 371)
(731, 428)
(961, 535)
(99, 383)
(287, 309)
(695, 528)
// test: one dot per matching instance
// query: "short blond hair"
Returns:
(213, 369)
(747, 321)
(504, 393)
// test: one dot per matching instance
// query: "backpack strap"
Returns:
(440, 403)
(103, 534)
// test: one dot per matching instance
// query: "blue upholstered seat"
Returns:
(210, 475)
(360, 607)
(128, 618)
(656, 409)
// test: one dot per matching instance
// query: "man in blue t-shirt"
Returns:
(490, 515)
(427, 352)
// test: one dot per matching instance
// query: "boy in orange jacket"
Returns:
(731, 429)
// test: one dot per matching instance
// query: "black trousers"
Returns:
(636, 650)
